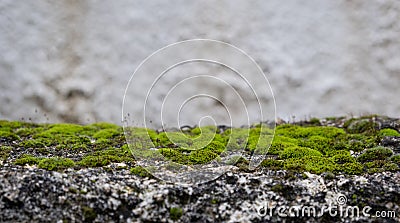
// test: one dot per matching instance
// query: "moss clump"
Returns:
(55, 163)
(280, 143)
(388, 132)
(272, 164)
(89, 214)
(260, 138)
(5, 152)
(396, 159)
(105, 157)
(27, 159)
(313, 164)
(36, 143)
(236, 138)
(365, 124)
(106, 134)
(298, 132)
(8, 135)
(342, 157)
(319, 143)
(298, 152)
(377, 166)
(202, 156)
(377, 153)
(10, 125)
(28, 131)
(140, 171)
(351, 168)
(175, 213)
(314, 121)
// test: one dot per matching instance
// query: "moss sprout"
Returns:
(175, 213)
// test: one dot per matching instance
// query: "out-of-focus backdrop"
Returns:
(70, 60)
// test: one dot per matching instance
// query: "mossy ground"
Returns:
(353, 148)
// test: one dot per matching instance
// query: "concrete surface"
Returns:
(70, 61)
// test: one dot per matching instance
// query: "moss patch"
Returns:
(377, 153)
(56, 163)
(5, 152)
(89, 214)
(306, 146)
(175, 213)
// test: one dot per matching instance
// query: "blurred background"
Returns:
(70, 60)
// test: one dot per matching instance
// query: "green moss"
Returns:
(343, 157)
(388, 132)
(236, 138)
(175, 213)
(364, 124)
(319, 143)
(12, 125)
(272, 164)
(104, 125)
(280, 143)
(314, 121)
(298, 152)
(395, 159)
(236, 159)
(356, 142)
(175, 155)
(74, 143)
(202, 156)
(28, 131)
(105, 157)
(36, 143)
(298, 132)
(375, 164)
(278, 188)
(389, 166)
(5, 152)
(27, 159)
(313, 164)
(55, 163)
(89, 214)
(260, 139)
(106, 134)
(204, 130)
(140, 171)
(351, 168)
(377, 153)
(8, 135)
(214, 201)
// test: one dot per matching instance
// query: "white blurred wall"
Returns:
(70, 60)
